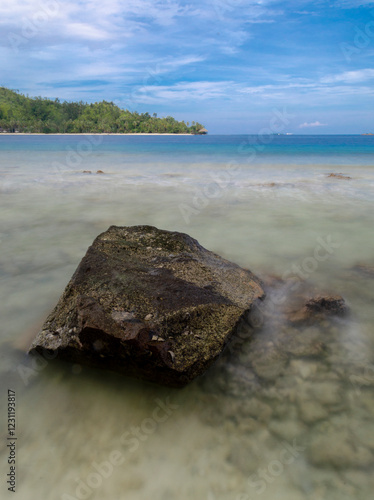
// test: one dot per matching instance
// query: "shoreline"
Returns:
(91, 133)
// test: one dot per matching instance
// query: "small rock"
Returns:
(268, 362)
(133, 482)
(330, 485)
(303, 368)
(339, 176)
(367, 402)
(248, 425)
(87, 172)
(334, 304)
(359, 478)
(317, 308)
(100, 172)
(122, 316)
(364, 431)
(364, 269)
(286, 429)
(312, 411)
(244, 455)
(327, 393)
(305, 343)
(257, 409)
(269, 371)
(338, 449)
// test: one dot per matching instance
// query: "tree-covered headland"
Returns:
(19, 113)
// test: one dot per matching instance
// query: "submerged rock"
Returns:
(338, 449)
(318, 307)
(149, 303)
(339, 176)
(366, 270)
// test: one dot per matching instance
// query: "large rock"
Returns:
(149, 303)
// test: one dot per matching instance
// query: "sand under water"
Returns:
(286, 413)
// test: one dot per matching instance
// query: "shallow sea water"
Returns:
(287, 412)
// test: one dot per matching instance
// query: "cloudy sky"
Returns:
(228, 64)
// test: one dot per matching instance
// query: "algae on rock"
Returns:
(149, 303)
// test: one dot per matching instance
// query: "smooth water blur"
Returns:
(274, 419)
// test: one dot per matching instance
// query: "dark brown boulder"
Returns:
(149, 303)
(319, 307)
(340, 176)
(298, 303)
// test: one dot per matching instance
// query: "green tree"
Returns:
(24, 114)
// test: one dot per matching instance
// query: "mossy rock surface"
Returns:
(149, 303)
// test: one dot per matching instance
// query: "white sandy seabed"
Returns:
(274, 419)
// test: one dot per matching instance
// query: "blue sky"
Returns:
(229, 64)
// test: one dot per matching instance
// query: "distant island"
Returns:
(22, 114)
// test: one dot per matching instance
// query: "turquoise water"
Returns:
(264, 206)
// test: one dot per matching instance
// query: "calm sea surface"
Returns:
(274, 419)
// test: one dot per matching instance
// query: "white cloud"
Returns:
(153, 26)
(313, 124)
(173, 64)
(357, 76)
(352, 4)
(86, 31)
(90, 20)
(158, 50)
(183, 91)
